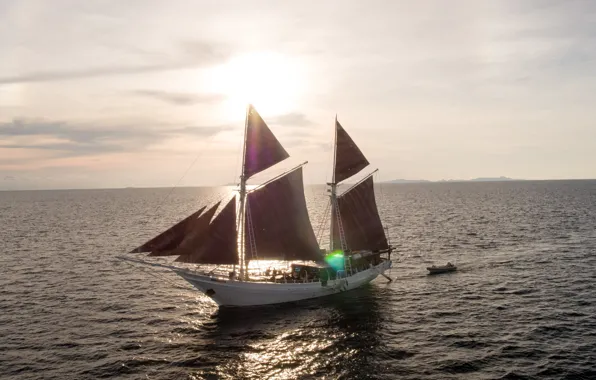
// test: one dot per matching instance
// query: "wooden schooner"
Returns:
(271, 222)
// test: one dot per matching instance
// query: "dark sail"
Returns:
(280, 223)
(349, 160)
(360, 219)
(196, 235)
(165, 242)
(262, 149)
(220, 245)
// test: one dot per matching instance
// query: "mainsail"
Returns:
(360, 220)
(262, 149)
(165, 242)
(277, 222)
(349, 160)
(220, 244)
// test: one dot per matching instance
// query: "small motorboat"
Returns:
(442, 269)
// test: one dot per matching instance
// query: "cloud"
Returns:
(294, 119)
(299, 132)
(91, 73)
(308, 144)
(201, 131)
(193, 54)
(180, 98)
(87, 139)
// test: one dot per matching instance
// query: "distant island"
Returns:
(482, 179)
(408, 181)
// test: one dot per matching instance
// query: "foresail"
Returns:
(220, 245)
(197, 233)
(349, 160)
(262, 149)
(361, 223)
(162, 244)
(277, 222)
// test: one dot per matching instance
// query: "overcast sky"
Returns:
(130, 93)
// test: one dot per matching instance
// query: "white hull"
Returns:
(240, 293)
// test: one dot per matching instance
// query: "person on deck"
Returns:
(324, 275)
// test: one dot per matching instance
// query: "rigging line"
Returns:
(386, 229)
(250, 233)
(310, 201)
(331, 157)
(340, 227)
(378, 175)
(152, 273)
(312, 195)
(334, 149)
(201, 152)
(251, 238)
(323, 223)
(238, 157)
(379, 180)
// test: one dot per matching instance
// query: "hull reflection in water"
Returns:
(243, 293)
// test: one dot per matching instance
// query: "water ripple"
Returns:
(522, 306)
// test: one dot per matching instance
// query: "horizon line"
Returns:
(409, 182)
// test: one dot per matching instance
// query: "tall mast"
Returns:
(242, 251)
(333, 190)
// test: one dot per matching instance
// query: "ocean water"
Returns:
(522, 305)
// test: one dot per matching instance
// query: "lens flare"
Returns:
(335, 260)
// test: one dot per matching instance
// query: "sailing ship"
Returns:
(271, 222)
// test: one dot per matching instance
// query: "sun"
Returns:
(270, 81)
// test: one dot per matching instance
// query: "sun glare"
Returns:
(271, 82)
